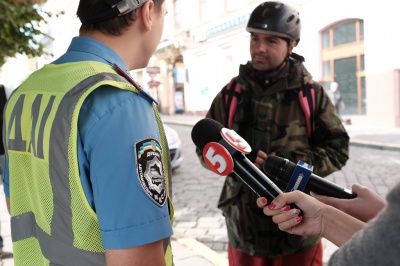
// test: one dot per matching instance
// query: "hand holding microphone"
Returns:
(366, 206)
(223, 151)
(317, 218)
(300, 177)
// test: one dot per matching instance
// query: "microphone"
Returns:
(223, 152)
(300, 177)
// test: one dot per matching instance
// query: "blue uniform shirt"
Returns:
(111, 122)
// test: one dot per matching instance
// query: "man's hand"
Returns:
(364, 207)
(260, 159)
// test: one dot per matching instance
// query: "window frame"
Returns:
(352, 49)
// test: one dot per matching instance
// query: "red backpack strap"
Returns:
(232, 93)
(307, 102)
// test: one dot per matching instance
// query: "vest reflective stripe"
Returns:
(24, 225)
(59, 155)
(58, 253)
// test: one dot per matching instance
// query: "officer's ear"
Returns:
(146, 13)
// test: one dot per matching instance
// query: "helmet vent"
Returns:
(265, 11)
(290, 19)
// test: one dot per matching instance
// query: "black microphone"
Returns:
(209, 135)
(284, 170)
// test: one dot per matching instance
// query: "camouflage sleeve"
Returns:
(329, 141)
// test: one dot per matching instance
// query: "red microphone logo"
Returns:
(235, 140)
(218, 158)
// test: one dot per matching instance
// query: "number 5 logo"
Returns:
(218, 159)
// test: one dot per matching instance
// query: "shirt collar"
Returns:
(96, 50)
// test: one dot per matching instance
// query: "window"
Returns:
(362, 64)
(325, 40)
(347, 32)
(327, 68)
(363, 96)
(343, 62)
(344, 33)
(345, 70)
(361, 29)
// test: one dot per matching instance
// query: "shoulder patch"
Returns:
(150, 170)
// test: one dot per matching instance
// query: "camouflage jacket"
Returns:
(270, 118)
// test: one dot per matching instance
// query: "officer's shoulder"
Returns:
(107, 97)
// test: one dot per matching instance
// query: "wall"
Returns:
(381, 25)
(382, 59)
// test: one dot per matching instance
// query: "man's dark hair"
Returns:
(113, 26)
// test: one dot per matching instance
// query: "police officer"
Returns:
(87, 161)
(277, 108)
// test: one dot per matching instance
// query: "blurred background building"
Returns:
(351, 42)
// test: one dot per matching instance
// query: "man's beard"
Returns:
(264, 65)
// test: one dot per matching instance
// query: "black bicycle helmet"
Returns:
(277, 19)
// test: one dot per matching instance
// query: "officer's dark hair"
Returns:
(111, 26)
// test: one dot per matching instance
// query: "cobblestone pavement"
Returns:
(196, 190)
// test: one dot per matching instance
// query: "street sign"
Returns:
(153, 83)
(153, 70)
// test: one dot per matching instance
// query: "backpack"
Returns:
(306, 96)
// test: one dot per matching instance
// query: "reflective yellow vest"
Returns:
(52, 222)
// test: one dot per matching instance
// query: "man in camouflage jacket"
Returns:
(270, 118)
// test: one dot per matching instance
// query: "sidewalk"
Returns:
(190, 252)
(367, 136)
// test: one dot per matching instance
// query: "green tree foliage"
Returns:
(19, 28)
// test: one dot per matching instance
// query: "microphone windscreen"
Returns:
(278, 168)
(206, 130)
